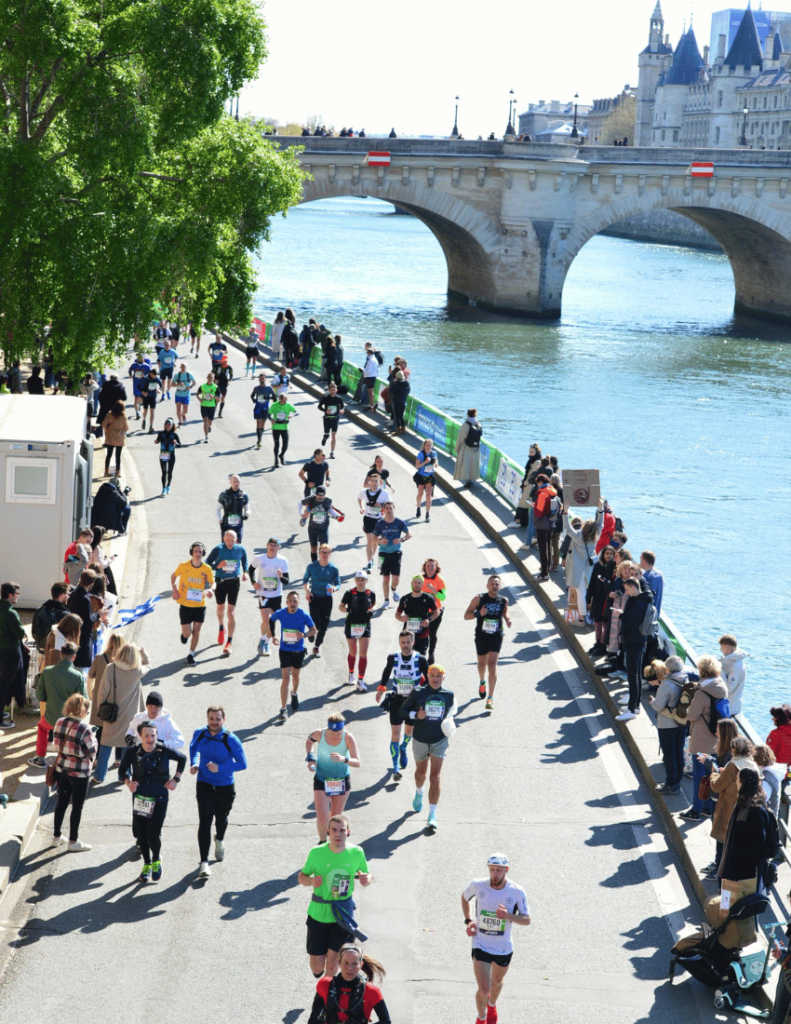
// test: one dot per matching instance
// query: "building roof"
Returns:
(37, 419)
(687, 62)
(657, 15)
(745, 49)
(777, 49)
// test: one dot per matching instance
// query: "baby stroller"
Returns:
(731, 972)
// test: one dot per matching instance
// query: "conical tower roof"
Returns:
(687, 61)
(745, 49)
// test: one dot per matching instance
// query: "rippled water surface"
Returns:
(647, 376)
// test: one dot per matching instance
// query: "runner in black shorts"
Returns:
(331, 404)
(371, 500)
(222, 378)
(194, 339)
(408, 670)
(358, 605)
(417, 610)
(150, 388)
(251, 352)
(489, 611)
(229, 562)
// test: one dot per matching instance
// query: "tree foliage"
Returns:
(122, 181)
(620, 124)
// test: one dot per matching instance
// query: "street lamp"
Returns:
(511, 104)
(574, 133)
(455, 133)
(743, 139)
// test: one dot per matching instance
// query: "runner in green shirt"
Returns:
(207, 396)
(331, 870)
(280, 413)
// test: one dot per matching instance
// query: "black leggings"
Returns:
(110, 448)
(279, 436)
(214, 803)
(398, 415)
(148, 831)
(321, 613)
(433, 626)
(71, 789)
(166, 469)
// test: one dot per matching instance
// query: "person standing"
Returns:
(417, 610)
(273, 569)
(75, 744)
(358, 606)
(168, 441)
(216, 754)
(233, 508)
(390, 533)
(261, 396)
(115, 427)
(55, 686)
(732, 662)
(183, 382)
(195, 585)
(207, 396)
(295, 625)
(430, 710)
(408, 670)
(79, 603)
(321, 580)
(542, 520)
(468, 450)
(654, 579)
(633, 642)
(370, 374)
(280, 413)
(489, 611)
(332, 405)
(499, 904)
(112, 391)
(12, 655)
(121, 687)
(399, 393)
(229, 562)
(330, 753)
(145, 771)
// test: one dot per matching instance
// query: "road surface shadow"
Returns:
(260, 897)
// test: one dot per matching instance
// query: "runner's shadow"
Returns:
(382, 846)
(575, 737)
(362, 797)
(293, 1016)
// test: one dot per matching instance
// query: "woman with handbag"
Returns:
(99, 667)
(76, 746)
(118, 699)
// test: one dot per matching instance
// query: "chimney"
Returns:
(769, 46)
(667, 39)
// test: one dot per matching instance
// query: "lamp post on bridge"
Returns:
(743, 139)
(511, 107)
(455, 133)
(574, 133)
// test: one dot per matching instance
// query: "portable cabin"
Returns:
(46, 466)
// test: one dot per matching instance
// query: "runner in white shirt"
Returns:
(498, 905)
(272, 571)
(371, 501)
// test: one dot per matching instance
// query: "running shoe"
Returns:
(266, 648)
(258, 445)
(482, 689)
(403, 756)
(332, 455)
(164, 492)
(294, 702)
(417, 803)
(77, 846)
(219, 849)
(282, 715)
(417, 512)
(397, 776)
(352, 679)
(261, 646)
(490, 704)
(190, 659)
(491, 1014)
(156, 870)
(145, 874)
(316, 652)
(221, 636)
(204, 870)
(205, 440)
(431, 821)
(302, 522)
(386, 603)
(428, 518)
(396, 596)
(361, 686)
(167, 489)
(228, 647)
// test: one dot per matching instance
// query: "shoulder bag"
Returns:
(50, 776)
(108, 710)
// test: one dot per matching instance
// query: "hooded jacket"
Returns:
(734, 676)
(701, 739)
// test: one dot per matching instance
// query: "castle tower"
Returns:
(671, 94)
(651, 63)
(742, 63)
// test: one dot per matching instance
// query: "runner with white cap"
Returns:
(358, 605)
(498, 904)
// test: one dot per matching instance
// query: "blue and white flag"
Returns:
(127, 615)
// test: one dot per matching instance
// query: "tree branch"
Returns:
(161, 177)
(46, 85)
(52, 112)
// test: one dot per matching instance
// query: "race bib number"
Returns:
(357, 631)
(269, 583)
(234, 520)
(194, 595)
(490, 924)
(404, 687)
(340, 888)
(332, 410)
(143, 806)
(153, 388)
(435, 710)
(335, 787)
(138, 374)
(281, 417)
(372, 511)
(164, 457)
(291, 636)
(319, 518)
(414, 625)
(491, 626)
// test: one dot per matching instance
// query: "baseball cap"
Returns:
(361, 574)
(498, 858)
(321, 490)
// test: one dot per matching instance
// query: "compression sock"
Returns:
(405, 742)
(259, 434)
(350, 659)
(324, 439)
(362, 665)
(394, 755)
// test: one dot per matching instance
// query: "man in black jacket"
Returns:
(110, 507)
(633, 642)
(112, 391)
(79, 603)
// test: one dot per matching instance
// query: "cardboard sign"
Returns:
(580, 487)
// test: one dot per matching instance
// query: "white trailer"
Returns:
(46, 468)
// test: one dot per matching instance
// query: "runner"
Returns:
(251, 352)
(358, 605)
(281, 412)
(434, 585)
(138, 371)
(261, 396)
(217, 349)
(194, 587)
(223, 376)
(330, 762)
(319, 510)
(274, 573)
(489, 611)
(331, 870)
(321, 581)
(418, 609)
(390, 534)
(384, 474)
(194, 338)
(168, 441)
(161, 334)
(295, 625)
(144, 769)
(498, 905)
(315, 473)
(350, 992)
(430, 709)
(207, 396)
(183, 382)
(229, 561)
(371, 499)
(408, 671)
(167, 363)
(281, 381)
(425, 463)
(233, 507)
(216, 754)
(332, 405)
(150, 387)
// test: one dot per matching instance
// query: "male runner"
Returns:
(138, 371)
(194, 338)
(217, 349)
(233, 507)
(251, 351)
(390, 534)
(418, 610)
(489, 611)
(430, 710)
(207, 396)
(295, 625)
(321, 581)
(371, 499)
(161, 333)
(498, 905)
(269, 590)
(182, 381)
(222, 378)
(318, 509)
(195, 582)
(332, 405)
(261, 396)
(331, 870)
(315, 473)
(150, 387)
(229, 561)
(281, 381)
(280, 413)
(167, 363)
(408, 670)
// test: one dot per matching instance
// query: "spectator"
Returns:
(289, 340)
(370, 373)
(99, 667)
(13, 664)
(98, 555)
(35, 385)
(76, 746)
(702, 738)
(608, 527)
(306, 344)
(723, 783)
(79, 603)
(779, 739)
(732, 662)
(633, 642)
(115, 426)
(63, 632)
(120, 685)
(110, 507)
(468, 450)
(277, 331)
(334, 359)
(77, 557)
(14, 379)
(55, 685)
(112, 391)
(542, 517)
(579, 560)
(771, 777)
(671, 733)
(167, 730)
(49, 614)
(598, 594)
(653, 578)
(399, 392)
(557, 523)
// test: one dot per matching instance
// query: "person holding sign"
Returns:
(144, 770)
(498, 905)
(295, 625)
(330, 753)
(489, 611)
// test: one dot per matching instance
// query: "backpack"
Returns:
(473, 438)
(772, 844)
(719, 707)
(554, 507)
(678, 712)
(206, 734)
(44, 618)
(74, 567)
(648, 626)
(378, 356)
(355, 1012)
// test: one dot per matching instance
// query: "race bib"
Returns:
(319, 518)
(334, 787)
(281, 417)
(143, 806)
(435, 710)
(332, 410)
(491, 626)
(291, 636)
(138, 374)
(414, 625)
(194, 595)
(404, 687)
(372, 511)
(164, 457)
(234, 520)
(340, 889)
(357, 631)
(153, 388)
(490, 924)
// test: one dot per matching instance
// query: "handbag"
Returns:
(50, 776)
(108, 710)
(704, 789)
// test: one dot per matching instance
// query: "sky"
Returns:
(400, 65)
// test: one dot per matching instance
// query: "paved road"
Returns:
(543, 778)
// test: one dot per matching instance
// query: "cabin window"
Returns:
(30, 481)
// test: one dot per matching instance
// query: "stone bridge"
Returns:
(511, 217)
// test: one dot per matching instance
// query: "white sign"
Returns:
(509, 480)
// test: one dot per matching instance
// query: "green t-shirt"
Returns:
(207, 393)
(279, 415)
(337, 871)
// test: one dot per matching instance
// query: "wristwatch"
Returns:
(468, 920)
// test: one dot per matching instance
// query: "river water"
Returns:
(647, 376)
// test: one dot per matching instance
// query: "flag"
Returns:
(262, 329)
(127, 615)
(377, 159)
(701, 170)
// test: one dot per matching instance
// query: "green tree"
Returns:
(122, 181)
